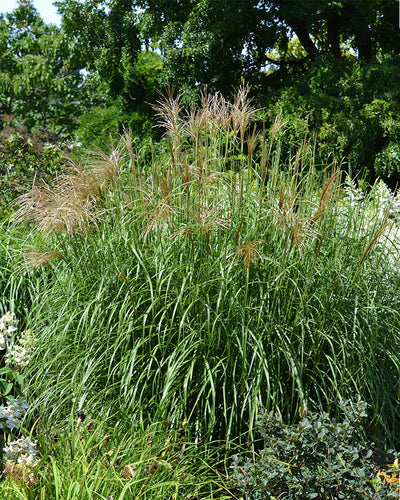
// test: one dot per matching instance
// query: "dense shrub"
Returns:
(318, 458)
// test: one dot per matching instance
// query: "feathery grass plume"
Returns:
(288, 216)
(242, 111)
(377, 235)
(252, 141)
(56, 210)
(208, 218)
(249, 253)
(217, 108)
(68, 214)
(222, 111)
(301, 234)
(40, 257)
(329, 190)
(194, 124)
(286, 209)
(215, 115)
(206, 180)
(209, 104)
(104, 165)
(157, 211)
(69, 205)
(158, 218)
(30, 204)
(168, 109)
(78, 181)
(277, 126)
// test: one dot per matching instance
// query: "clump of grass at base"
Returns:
(215, 282)
(94, 459)
(16, 288)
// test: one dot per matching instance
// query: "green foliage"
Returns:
(335, 65)
(39, 82)
(387, 161)
(219, 42)
(193, 283)
(317, 458)
(352, 112)
(16, 289)
(131, 110)
(178, 292)
(107, 40)
(25, 158)
(92, 457)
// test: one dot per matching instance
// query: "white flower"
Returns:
(27, 460)
(27, 339)
(11, 415)
(7, 328)
(22, 450)
(8, 318)
(353, 193)
(21, 354)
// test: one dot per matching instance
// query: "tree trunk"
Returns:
(305, 40)
(332, 24)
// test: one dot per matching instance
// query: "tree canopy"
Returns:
(331, 64)
(218, 42)
(40, 82)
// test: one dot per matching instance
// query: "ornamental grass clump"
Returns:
(92, 458)
(217, 281)
(69, 205)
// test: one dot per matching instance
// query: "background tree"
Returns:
(41, 96)
(332, 64)
(40, 82)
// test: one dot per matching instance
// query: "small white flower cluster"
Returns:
(21, 353)
(384, 201)
(11, 415)
(380, 202)
(22, 451)
(372, 211)
(353, 193)
(7, 328)
(20, 455)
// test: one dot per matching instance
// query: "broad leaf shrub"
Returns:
(317, 458)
